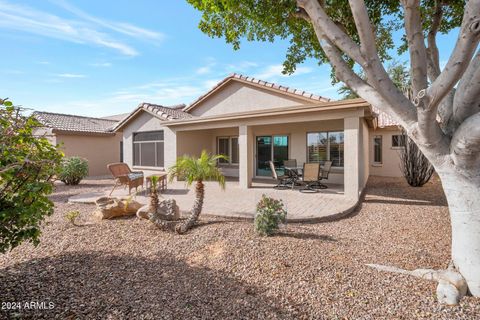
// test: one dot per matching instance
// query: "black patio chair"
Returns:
(284, 181)
(323, 175)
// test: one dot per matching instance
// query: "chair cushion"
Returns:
(135, 175)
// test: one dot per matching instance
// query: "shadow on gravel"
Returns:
(98, 286)
(306, 236)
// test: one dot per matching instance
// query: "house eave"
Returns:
(299, 109)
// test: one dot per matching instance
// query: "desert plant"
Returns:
(416, 168)
(72, 216)
(27, 166)
(197, 169)
(73, 170)
(154, 193)
(270, 213)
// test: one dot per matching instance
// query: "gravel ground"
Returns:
(128, 269)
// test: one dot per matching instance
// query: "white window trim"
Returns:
(397, 147)
(376, 163)
(230, 147)
(328, 145)
(140, 151)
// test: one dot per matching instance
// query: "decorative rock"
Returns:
(110, 207)
(167, 210)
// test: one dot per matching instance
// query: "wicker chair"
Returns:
(124, 176)
(311, 173)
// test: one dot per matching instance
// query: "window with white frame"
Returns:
(228, 146)
(148, 149)
(398, 140)
(326, 146)
(377, 150)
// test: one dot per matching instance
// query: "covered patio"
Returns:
(336, 132)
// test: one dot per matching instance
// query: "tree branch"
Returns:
(462, 54)
(466, 102)
(465, 145)
(319, 17)
(433, 67)
(416, 45)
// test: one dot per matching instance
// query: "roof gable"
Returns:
(163, 113)
(256, 99)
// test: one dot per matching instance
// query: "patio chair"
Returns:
(311, 172)
(291, 170)
(284, 181)
(124, 176)
(324, 171)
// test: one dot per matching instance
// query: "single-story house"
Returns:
(86, 137)
(254, 121)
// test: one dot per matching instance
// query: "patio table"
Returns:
(162, 181)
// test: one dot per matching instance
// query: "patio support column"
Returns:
(351, 155)
(170, 147)
(245, 169)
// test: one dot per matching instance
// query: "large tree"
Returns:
(355, 36)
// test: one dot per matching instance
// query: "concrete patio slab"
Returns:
(327, 204)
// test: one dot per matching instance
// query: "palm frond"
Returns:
(198, 169)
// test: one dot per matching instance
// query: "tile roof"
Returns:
(73, 123)
(166, 112)
(269, 85)
(174, 112)
(117, 117)
(383, 119)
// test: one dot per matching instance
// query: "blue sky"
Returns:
(98, 58)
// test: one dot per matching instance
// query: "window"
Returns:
(121, 151)
(228, 146)
(377, 149)
(148, 149)
(326, 146)
(398, 140)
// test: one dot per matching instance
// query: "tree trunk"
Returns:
(196, 210)
(463, 196)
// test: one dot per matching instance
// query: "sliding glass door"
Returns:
(271, 148)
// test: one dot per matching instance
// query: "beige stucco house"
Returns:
(254, 121)
(86, 137)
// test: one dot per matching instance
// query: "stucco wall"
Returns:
(364, 168)
(144, 122)
(98, 150)
(390, 166)
(240, 97)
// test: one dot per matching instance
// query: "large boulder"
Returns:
(167, 210)
(110, 207)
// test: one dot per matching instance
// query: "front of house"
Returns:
(254, 122)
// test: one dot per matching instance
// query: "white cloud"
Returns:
(43, 62)
(101, 64)
(275, 71)
(70, 75)
(120, 27)
(203, 70)
(85, 31)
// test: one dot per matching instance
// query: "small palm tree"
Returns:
(199, 169)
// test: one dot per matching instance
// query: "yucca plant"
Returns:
(197, 170)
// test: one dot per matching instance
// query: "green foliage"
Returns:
(73, 170)
(27, 166)
(194, 169)
(72, 216)
(270, 213)
(267, 20)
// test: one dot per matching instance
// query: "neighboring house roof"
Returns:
(161, 112)
(117, 117)
(384, 120)
(72, 123)
(306, 96)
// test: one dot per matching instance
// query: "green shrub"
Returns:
(270, 213)
(73, 170)
(27, 165)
